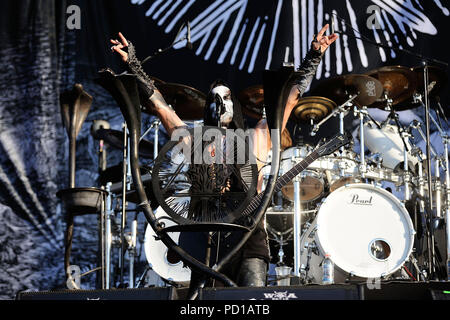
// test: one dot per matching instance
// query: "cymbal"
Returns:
(115, 139)
(339, 88)
(187, 102)
(158, 82)
(313, 108)
(399, 84)
(252, 101)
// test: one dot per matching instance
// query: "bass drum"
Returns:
(165, 263)
(366, 231)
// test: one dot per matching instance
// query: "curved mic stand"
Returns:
(276, 93)
(124, 90)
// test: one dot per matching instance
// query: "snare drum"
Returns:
(311, 181)
(366, 231)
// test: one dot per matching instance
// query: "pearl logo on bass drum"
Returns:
(357, 200)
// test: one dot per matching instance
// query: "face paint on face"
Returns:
(222, 98)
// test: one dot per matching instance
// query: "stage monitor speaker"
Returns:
(440, 294)
(398, 290)
(166, 293)
(310, 292)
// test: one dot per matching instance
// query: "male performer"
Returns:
(250, 267)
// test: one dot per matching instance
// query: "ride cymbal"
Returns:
(399, 84)
(187, 102)
(339, 89)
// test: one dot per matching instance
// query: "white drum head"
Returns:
(366, 230)
(156, 252)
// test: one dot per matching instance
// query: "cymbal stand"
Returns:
(431, 267)
(404, 136)
(131, 241)
(429, 217)
(109, 213)
(445, 141)
(297, 217)
(155, 125)
(342, 113)
(361, 113)
(126, 186)
(447, 201)
(438, 164)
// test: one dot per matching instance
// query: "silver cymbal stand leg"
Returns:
(131, 240)
(447, 201)
(362, 165)
(437, 186)
(297, 218)
(156, 139)
(421, 183)
(406, 175)
(126, 186)
(108, 236)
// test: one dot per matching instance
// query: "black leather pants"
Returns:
(252, 273)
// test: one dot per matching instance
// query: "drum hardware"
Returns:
(109, 215)
(187, 102)
(313, 108)
(297, 220)
(155, 125)
(338, 89)
(376, 251)
(114, 138)
(399, 84)
(96, 126)
(439, 222)
(341, 109)
(361, 113)
(447, 201)
(130, 241)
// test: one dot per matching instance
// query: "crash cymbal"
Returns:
(313, 108)
(338, 89)
(399, 84)
(187, 102)
(115, 139)
(252, 101)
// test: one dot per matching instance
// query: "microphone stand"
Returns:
(425, 61)
(160, 51)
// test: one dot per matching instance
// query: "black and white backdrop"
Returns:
(48, 45)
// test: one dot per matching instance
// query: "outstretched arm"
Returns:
(308, 69)
(262, 143)
(151, 97)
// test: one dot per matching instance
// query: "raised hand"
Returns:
(119, 45)
(323, 42)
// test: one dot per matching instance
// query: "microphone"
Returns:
(188, 42)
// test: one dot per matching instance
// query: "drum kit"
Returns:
(343, 205)
(339, 205)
